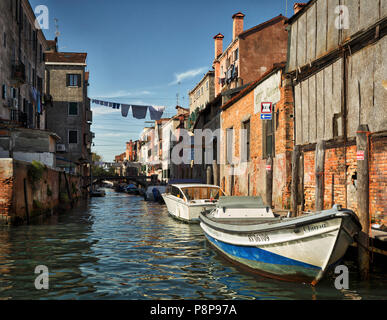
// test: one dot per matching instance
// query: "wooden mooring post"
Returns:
(362, 143)
(295, 180)
(319, 169)
(269, 181)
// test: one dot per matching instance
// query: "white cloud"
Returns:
(100, 111)
(179, 77)
(124, 93)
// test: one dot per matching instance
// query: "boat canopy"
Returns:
(202, 192)
(241, 202)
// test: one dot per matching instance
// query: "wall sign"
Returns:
(266, 107)
(360, 155)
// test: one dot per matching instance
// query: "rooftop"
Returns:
(65, 57)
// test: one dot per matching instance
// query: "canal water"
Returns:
(121, 247)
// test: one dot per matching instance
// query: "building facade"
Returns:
(23, 99)
(251, 53)
(21, 66)
(70, 115)
(338, 68)
(203, 93)
(255, 154)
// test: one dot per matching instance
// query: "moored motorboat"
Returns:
(153, 193)
(293, 249)
(186, 201)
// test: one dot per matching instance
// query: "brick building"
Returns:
(338, 67)
(251, 53)
(250, 144)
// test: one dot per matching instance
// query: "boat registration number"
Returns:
(259, 237)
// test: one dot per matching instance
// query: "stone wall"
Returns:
(45, 195)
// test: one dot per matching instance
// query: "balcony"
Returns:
(18, 73)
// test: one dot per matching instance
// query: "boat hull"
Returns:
(182, 211)
(297, 252)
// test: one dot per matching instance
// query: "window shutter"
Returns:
(4, 91)
(79, 77)
(67, 80)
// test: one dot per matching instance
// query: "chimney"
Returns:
(237, 25)
(298, 6)
(218, 45)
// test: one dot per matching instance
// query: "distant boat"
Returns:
(97, 193)
(292, 249)
(153, 193)
(186, 201)
(132, 189)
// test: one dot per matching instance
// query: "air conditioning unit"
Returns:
(60, 148)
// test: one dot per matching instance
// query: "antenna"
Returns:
(177, 95)
(57, 33)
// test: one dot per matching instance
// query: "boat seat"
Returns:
(241, 203)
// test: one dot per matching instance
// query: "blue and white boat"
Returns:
(292, 249)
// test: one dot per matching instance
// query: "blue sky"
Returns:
(138, 51)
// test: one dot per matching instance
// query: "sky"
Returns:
(146, 52)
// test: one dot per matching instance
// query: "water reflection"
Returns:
(120, 247)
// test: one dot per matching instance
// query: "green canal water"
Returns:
(120, 247)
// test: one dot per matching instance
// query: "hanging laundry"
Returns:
(125, 110)
(156, 112)
(139, 112)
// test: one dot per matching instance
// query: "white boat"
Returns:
(292, 249)
(186, 201)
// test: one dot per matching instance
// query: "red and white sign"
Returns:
(266, 107)
(360, 155)
(268, 167)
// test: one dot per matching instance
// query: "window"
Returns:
(207, 85)
(4, 40)
(40, 53)
(268, 137)
(229, 145)
(73, 108)
(236, 54)
(73, 137)
(4, 91)
(73, 80)
(246, 143)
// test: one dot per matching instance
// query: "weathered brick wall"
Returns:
(252, 181)
(340, 177)
(6, 190)
(378, 180)
(45, 195)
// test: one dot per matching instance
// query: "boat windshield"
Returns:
(202, 193)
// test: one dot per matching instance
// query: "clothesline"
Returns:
(138, 111)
